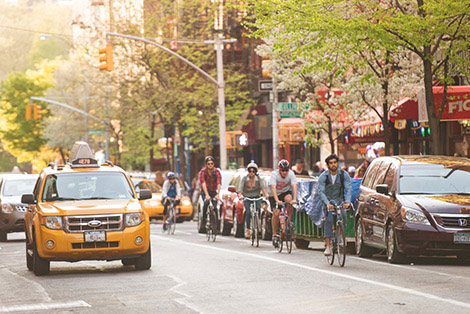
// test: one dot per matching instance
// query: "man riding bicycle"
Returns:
(334, 187)
(171, 189)
(251, 186)
(281, 182)
(210, 179)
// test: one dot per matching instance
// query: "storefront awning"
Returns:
(407, 109)
(293, 122)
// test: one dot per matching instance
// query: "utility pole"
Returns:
(275, 129)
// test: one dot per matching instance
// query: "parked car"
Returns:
(224, 214)
(12, 211)
(154, 206)
(415, 205)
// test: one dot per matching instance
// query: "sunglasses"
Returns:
(285, 170)
(172, 178)
(251, 170)
(210, 163)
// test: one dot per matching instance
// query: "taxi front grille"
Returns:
(95, 245)
(75, 224)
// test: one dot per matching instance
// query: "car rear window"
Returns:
(370, 175)
(434, 179)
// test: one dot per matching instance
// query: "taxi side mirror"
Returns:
(145, 194)
(382, 189)
(232, 189)
(28, 199)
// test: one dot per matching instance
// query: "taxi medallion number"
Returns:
(462, 238)
(95, 236)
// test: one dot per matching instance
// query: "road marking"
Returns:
(332, 273)
(44, 306)
(33, 283)
(183, 301)
(414, 268)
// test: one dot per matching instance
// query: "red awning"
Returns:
(457, 105)
(406, 109)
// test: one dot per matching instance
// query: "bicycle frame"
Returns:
(254, 220)
(338, 239)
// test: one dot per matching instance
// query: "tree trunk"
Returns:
(433, 120)
(181, 152)
(206, 148)
(330, 137)
(385, 122)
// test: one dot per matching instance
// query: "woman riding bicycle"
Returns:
(171, 189)
(251, 186)
(334, 187)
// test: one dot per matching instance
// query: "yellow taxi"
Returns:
(154, 206)
(85, 211)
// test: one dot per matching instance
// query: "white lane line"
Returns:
(184, 300)
(414, 268)
(368, 281)
(44, 306)
(40, 289)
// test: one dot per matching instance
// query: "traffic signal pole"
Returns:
(218, 42)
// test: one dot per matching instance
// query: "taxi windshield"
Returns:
(86, 186)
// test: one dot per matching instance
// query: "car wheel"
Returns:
(238, 229)
(265, 231)
(128, 261)
(29, 255)
(362, 250)
(393, 256)
(201, 228)
(226, 228)
(3, 236)
(41, 266)
(179, 219)
(301, 244)
(145, 261)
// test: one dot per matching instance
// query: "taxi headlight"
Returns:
(53, 222)
(186, 202)
(133, 219)
(414, 216)
(7, 208)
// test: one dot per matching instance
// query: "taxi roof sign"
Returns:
(82, 155)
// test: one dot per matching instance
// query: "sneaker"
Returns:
(247, 234)
(164, 227)
(327, 252)
(276, 240)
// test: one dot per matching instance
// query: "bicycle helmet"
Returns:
(283, 164)
(170, 175)
(252, 165)
(209, 158)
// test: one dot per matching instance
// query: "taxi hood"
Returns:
(90, 207)
(449, 203)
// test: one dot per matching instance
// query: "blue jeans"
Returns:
(328, 227)
(247, 205)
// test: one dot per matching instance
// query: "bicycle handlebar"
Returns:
(254, 199)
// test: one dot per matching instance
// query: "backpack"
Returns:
(341, 178)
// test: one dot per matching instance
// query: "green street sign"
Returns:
(290, 114)
(287, 106)
(95, 132)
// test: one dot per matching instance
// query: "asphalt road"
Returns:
(191, 275)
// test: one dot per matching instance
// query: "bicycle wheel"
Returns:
(340, 243)
(252, 229)
(213, 226)
(173, 221)
(256, 229)
(281, 240)
(331, 258)
(289, 235)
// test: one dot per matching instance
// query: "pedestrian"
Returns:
(351, 171)
(318, 168)
(334, 187)
(299, 168)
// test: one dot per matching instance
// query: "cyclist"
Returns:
(251, 186)
(281, 182)
(210, 179)
(171, 189)
(334, 186)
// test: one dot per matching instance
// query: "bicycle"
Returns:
(211, 222)
(254, 220)
(338, 240)
(172, 213)
(286, 230)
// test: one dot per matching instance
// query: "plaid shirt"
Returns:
(211, 180)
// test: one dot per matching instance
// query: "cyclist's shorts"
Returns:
(281, 197)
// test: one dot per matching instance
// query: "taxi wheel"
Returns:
(3, 236)
(29, 258)
(41, 266)
(145, 261)
(128, 261)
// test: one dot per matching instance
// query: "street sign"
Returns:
(290, 114)
(287, 106)
(95, 132)
(265, 86)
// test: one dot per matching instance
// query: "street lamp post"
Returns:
(218, 42)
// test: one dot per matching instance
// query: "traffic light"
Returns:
(37, 112)
(29, 111)
(106, 58)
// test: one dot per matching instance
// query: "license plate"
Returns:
(462, 238)
(95, 236)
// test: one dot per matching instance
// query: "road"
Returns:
(191, 275)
